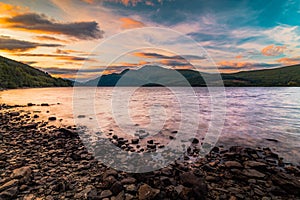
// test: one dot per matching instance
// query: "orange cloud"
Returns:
(49, 38)
(88, 1)
(289, 61)
(273, 50)
(11, 10)
(238, 56)
(129, 23)
(234, 64)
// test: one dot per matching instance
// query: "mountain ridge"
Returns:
(283, 76)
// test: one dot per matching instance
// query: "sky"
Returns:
(106, 36)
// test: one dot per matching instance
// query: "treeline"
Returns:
(18, 75)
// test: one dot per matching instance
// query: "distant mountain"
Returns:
(14, 74)
(155, 76)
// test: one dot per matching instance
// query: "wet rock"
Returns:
(52, 118)
(195, 141)
(135, 141)
(30, 126)
(288, 182)
(14, 114)
(198, 185)
(36, 116)
(272, 140)
(105, 194)
(90, 192)
(129, 180)
(146, 192)
(255, 164)
(253, 173)
(9, 184)
(116, 188)
(9, 193)
(22, 173)
(233, 164)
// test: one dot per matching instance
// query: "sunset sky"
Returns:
(59, 36)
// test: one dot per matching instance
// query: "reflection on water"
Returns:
(252, 114)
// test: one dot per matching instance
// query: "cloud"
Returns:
(238, 66)
(239, 56)
(58, 57)
(161, 56)
(68, 51)
(289, 61)
(273, 50)
(40, 23)
(129, 23)
(49, 38)
(13, 45)
(11, 10)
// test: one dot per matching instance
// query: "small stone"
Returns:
(254, 164)
(9, 185)
(146, 192)
(195, 141)
(135, 141)
(116, 188)
(52, 118)
(233, 164)
(129, 180)
(44, 104)
(105, 194)
(23, 173)
(253, 173)
(9, 193)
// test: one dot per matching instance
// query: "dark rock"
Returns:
(105, 194)
(30, 104)
(116, 188)
(22, 173)
(44, 104)
(129, 180)
(36, 116)
(9, 184)
(255, 164)
(272, 140)
(135, 141)
(171, 137)
(198, 185)
(195, 141)
(150, 142)
(52, 118)
(151, 146)
(288, 182)
(233, 164)
(253, 173)
(90, 192)
(9, 193)
(14, 114)
(146, 192)
(30, 126)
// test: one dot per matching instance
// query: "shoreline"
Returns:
(41, 161)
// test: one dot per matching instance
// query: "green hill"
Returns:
(284, 76)
(14, 74)
(155, 76)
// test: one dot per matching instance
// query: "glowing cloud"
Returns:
(289, 61)
(129, 23)
(273, 50)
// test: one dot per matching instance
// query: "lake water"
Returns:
(253, 115)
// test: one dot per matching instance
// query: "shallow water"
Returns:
(252, 114)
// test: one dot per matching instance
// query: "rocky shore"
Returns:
(42, 161)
